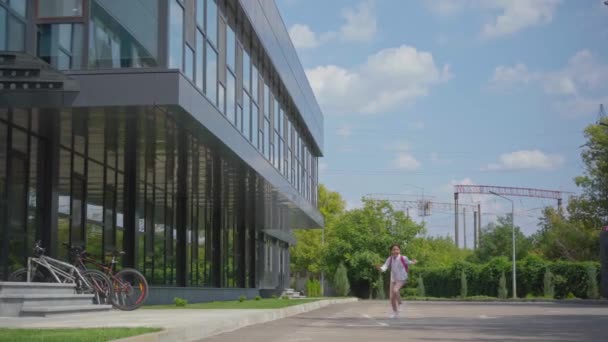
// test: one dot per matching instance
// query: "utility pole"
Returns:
(456, 219)
(478, 223)
(475, 229)
(464, 226)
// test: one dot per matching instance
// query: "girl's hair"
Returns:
(395, 245)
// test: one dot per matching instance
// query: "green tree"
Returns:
(360, 238)
(503, 293)
(496, 240)
(463, 285)
(594, 180)
(572, 239)
(548, 284)
(435, 251)
(305, 256)
(341, 283)
(421, 290)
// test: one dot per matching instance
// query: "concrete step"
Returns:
(43, 311)
(37, 300)
(23, 288)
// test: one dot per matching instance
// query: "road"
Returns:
(433, 321)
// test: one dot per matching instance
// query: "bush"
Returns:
(258, 298)
(313, 288)
(463, 285)
(548, 285)
(570, 295)
(420, 289)
(592, 288)
(409, 292)
(341, 283)
(379, 285)
(502, 287)
(285, 297)
(180, 301)
(242, 299)
(274, 296)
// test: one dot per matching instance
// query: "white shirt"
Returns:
(398, 272)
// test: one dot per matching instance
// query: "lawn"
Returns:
(69, 335)
(247, 304)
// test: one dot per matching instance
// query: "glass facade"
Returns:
(144, 179)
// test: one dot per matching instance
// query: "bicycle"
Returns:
(42, 268)
(129, 287)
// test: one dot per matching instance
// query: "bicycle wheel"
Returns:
(130, 289)
(20, 276)
(100, 286)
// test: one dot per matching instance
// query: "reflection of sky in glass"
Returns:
(176, 35)
(94, 212)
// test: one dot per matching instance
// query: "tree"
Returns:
(435, 251)
(573, 239)
(305, 256)
(594, 181)
(548, 285)
(341, 283)
(496, 240)
(463, 285)
(503, 293)
(360, 238)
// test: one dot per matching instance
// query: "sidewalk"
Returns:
(177, 325)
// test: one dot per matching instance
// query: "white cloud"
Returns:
(303, 37)
(581, 83)
(406, 161)
(517, 15)
(360, 23)
(359, 26)
(527, 160)
(345, 131)
(507, 16)
(389, 79)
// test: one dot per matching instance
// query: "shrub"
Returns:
(570, 295)
(285, 297)
(313, 288)
(421, 291)
(242, 299)
(341, 283)
(502, 287)
(592, 288)
(463, 285)
(180, 301)
(548, 285)
(258, 298)
(410, 292)
(380, 293)
(274, 296)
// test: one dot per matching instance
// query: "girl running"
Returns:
(399, 266)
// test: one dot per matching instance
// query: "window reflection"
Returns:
(59, 8)
(189, 67)
(61, 45)
(211, 75)
(212, 22)
(176, 35)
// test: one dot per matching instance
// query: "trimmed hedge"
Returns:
(483, 279)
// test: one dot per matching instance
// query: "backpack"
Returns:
(407, 269)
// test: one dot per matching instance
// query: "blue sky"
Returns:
(435, 93)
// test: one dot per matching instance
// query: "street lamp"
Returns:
(513, 242)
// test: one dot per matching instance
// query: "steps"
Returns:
(292, 294)
(44, 299)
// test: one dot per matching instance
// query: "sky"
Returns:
(420, 95)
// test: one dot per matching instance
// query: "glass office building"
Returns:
(190, 140)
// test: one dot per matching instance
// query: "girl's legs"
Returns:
(395, 295)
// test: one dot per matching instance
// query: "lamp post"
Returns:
(513, 240)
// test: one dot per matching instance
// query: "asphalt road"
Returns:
(439, 321)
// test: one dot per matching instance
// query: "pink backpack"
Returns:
(407, 269)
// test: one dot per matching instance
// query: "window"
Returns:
(200, 13)
(212, 22)
(115, 43)
(230, 98)
(221, 95)
(189, 67)
(275, 156)
(211, 75)
(3, 27)
(58, 8)
(254, 84)
(267, 138)
(176, 35)
(61, 45)
(266, 99)
(255, 120)
(246, 71)
(230, 48)
(247, 116)
(200, 63)
(19, 6)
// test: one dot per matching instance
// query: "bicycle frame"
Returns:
(57, 269)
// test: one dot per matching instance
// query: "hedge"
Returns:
(483, 279)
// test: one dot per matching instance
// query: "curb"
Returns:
(195, 333)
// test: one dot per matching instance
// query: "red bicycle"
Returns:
(130, 288)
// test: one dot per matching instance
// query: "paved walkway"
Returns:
(440, 321)
(179, 325)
